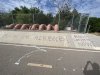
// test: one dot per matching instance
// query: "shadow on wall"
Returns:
(94, 71)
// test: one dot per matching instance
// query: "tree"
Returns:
(50, 18)
(94, 24)
(25, 15)
(5, 19)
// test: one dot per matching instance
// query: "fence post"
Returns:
(33, 18)
(86, 25)
(79, 23)
(12, 18)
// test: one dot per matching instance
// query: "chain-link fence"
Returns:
(25, 18)
(5, 19)
(74, 22)
(83, 23)
(66, 21)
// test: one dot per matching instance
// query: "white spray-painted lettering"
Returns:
(49, 38)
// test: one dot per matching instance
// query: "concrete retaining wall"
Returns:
(71, 40)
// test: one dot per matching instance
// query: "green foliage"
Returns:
(5, 19)
(24, 18)
(94, 24)
(64, 19)
(26, 15)
(35, 15)
(32, 15)
(42, 19)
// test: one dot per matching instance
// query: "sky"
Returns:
(83, 6)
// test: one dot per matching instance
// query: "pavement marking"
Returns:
(74, 69)
(16, 45)
(65, 49)
(82, 69)
(97, 48)
(78, 50)
(64, 69)
(60, 58)
(39, 65)
(28, 55)
(39, 48)
(18, 62)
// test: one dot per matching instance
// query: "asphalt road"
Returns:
(21, 60)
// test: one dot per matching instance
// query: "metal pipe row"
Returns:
(33, 27)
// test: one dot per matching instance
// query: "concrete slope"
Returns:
(71, 40)
(95, 40)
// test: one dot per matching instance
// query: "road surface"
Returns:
(37, 60)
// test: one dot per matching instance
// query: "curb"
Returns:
(97, 48)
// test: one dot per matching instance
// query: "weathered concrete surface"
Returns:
(71, 40)
(95, 40)
(63, 62)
